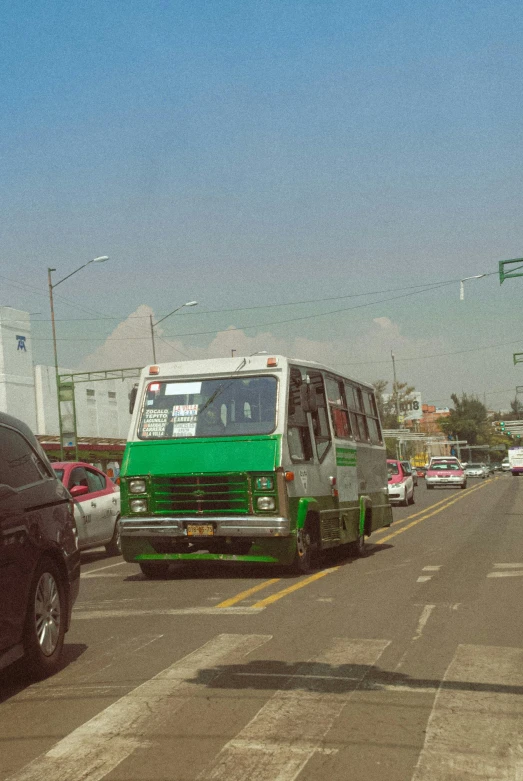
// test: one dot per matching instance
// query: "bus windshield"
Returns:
(228, 406)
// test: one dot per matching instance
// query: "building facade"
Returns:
(28, 392)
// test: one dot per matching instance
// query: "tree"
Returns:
(517, 408)
(467, 420)
(387, 402)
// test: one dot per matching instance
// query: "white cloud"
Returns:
(362, 352)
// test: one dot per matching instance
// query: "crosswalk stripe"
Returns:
(81, 614)
(287, 731)
(102, 743)
(474, 731)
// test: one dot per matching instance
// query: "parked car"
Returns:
(409, 470)
(475, 470)
(39, 557)
(443, 473)
(420, 470)
(505, 465)
(400, 483)
(96, 505)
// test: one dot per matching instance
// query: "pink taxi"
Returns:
(444, 473)
(401, 483)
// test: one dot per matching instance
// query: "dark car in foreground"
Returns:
(39, 557)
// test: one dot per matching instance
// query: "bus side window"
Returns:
(338, 408)
(320, 423)
(298, 434)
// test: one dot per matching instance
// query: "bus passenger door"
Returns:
(344, 447)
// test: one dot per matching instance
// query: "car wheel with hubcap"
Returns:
(46, 619)
(114, 548)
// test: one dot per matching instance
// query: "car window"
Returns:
(19, 463)
(78, 476)
(406, 467)
(393, 470)
(95, 480)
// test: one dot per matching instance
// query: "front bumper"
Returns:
(397, 492)
(224, 526)
(457, 481)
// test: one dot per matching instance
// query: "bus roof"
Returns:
(238, 364)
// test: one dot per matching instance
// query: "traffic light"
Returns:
(502, 424)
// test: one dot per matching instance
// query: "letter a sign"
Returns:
(21, 343)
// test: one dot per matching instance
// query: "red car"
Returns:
(96, 505)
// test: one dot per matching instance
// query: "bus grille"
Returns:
(201, 494)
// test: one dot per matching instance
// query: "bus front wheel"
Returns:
(306, 546)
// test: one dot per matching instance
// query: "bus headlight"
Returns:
(137, 486)
(265, 503)
(265, 483)
(138, 505)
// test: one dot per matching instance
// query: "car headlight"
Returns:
(265, 503)
(138, 505)
(137, 486)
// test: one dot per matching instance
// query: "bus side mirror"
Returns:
(132, 398)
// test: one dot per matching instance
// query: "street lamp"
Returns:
(462, 286)
(153, 325)
(100, 259)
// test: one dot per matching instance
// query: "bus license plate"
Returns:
(200, 529)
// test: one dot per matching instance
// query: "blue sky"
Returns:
(257, 153)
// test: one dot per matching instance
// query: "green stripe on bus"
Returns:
(345, 456)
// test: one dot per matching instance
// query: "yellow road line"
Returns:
(245, 594)
(429, 515)
(436, 504)
(279, 594)
(441, 505)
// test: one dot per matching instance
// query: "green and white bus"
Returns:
(264, 459)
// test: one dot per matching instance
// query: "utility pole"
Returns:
(395, 395)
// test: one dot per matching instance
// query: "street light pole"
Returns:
(100, 259)
(462, 286)
(396, 399)
(153, 325)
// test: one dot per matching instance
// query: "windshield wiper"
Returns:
(219, 390)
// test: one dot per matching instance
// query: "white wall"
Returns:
(99, 413)
(17, 391)
(29, 392)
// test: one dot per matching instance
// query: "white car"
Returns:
(476, 470)
(96, 505)
(505, 465)
(400, 484)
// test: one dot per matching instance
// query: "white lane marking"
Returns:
(296, 719)
(182, 611)
(509, 566)
(424, 578)
(509, 574)
(475, 727)
(425, 615)
(432, 568)
(93, 750)
(88, 575)
(99, 569)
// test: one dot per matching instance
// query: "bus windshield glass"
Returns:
(228, 406)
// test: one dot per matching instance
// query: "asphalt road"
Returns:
(404, 665)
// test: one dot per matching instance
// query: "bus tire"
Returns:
(154, 570)
(114, 548)
(306, 546)
(360, 547)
